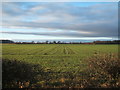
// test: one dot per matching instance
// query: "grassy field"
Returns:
(56, 57)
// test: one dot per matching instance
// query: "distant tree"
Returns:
(80, 42)
(6, 41)
(46, 42)
(32, 42)
(59, 42)
(54, 42)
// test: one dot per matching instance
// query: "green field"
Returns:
(57, 57)
(69, 58)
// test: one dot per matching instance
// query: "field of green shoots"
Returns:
(55, 57)
(60, 65)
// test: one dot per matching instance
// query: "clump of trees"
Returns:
(6, 41)
(48, 42)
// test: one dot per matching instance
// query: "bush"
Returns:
(17, 74)
(103, 71)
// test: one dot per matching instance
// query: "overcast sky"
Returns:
(35, 21)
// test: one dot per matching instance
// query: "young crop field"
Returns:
(58, 59)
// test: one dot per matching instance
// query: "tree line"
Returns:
(62, 42)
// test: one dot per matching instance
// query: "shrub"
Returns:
(103, 71)
(17, 74)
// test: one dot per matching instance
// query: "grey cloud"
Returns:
(104, 29)
(59, 34)
(100, 19)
